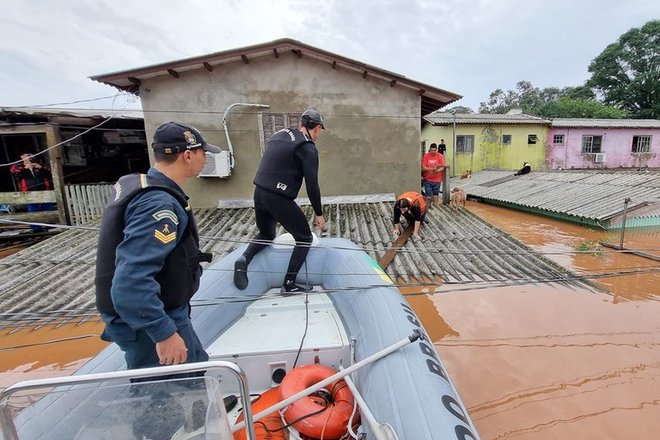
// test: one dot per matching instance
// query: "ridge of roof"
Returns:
(130, 80)
(605, 123)
(443, 118)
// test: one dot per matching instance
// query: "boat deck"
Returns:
(275, 328)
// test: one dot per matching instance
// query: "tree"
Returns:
(566, 107)
(459, 109)
(551, 102)
(627, 73)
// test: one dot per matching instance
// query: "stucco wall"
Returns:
(489, 152)
(616, 144)
(371, 144)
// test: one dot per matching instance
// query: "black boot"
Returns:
(291, 288)
(240, 273)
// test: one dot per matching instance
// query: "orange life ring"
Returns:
(268, 427)
(338, 401)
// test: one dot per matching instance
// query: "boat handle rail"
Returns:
(9, 429)
(335, 377)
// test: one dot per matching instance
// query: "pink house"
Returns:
(603, 143)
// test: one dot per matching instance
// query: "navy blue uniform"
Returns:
(154, 224)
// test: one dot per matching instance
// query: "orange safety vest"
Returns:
(413, 197)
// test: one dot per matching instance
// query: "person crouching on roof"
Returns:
(413, 207)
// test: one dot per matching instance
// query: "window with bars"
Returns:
(465, 144)
(506, 139)
(641, 144)
(558, 139)
(271, 123)
(591, 144)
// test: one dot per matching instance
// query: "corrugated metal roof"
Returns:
(442, 118)
(56, 277)
(596, 195)
(604, 123)
(78, 112)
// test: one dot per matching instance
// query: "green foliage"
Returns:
(627, 73)
(588, 246)
(625, 83)
(551, 102)
(460, 109)
(578, 108)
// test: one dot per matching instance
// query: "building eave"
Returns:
(432, 98)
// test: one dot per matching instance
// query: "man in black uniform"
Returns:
(290, 155)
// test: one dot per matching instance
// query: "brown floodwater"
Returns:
(546, 362)
(530, 362)
(47, 351)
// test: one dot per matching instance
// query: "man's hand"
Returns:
(320, 221)
(172, 351)
(396, 232)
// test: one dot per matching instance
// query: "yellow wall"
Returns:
(489, 152)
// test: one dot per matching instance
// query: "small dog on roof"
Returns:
(458, 197)
(524, 170)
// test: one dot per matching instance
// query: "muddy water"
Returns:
(576, 248)
(32, 353)
(545, 362)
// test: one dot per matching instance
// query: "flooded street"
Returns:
(531, 362)
(48, 351)
(541, 362)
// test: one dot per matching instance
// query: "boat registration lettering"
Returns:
(433, 364)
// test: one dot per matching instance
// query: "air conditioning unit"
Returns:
(217, 165)
(599, 157)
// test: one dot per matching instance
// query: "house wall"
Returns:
(371, 142)
(617, 146)
(489, 152)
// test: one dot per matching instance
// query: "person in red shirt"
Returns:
(433, 165)
(33, 176)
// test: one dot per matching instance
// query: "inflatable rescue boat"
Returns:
(349, 359)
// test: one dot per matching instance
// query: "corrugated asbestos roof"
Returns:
(604, 123)
(56, 276)
(77, 112)
(596, 195)
(442, 118)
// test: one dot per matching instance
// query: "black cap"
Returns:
(311, 118)
(176, 137)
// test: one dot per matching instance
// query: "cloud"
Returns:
(470, 47)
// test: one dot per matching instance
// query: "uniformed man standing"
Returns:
(147, 265)
(290, 156)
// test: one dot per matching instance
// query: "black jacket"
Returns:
(290, 156)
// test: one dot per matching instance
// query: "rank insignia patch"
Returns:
(165, 236)
(166, 214)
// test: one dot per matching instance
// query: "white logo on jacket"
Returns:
(281, 186)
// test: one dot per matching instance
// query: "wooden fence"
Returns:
(86, 202)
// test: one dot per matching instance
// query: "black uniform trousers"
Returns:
(270, 209)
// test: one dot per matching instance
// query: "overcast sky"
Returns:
(48, 49)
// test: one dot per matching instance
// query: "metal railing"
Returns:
(9, 429)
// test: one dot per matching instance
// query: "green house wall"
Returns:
(489, 151)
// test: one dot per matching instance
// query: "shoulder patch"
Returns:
(165, 236)
(166, 214)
